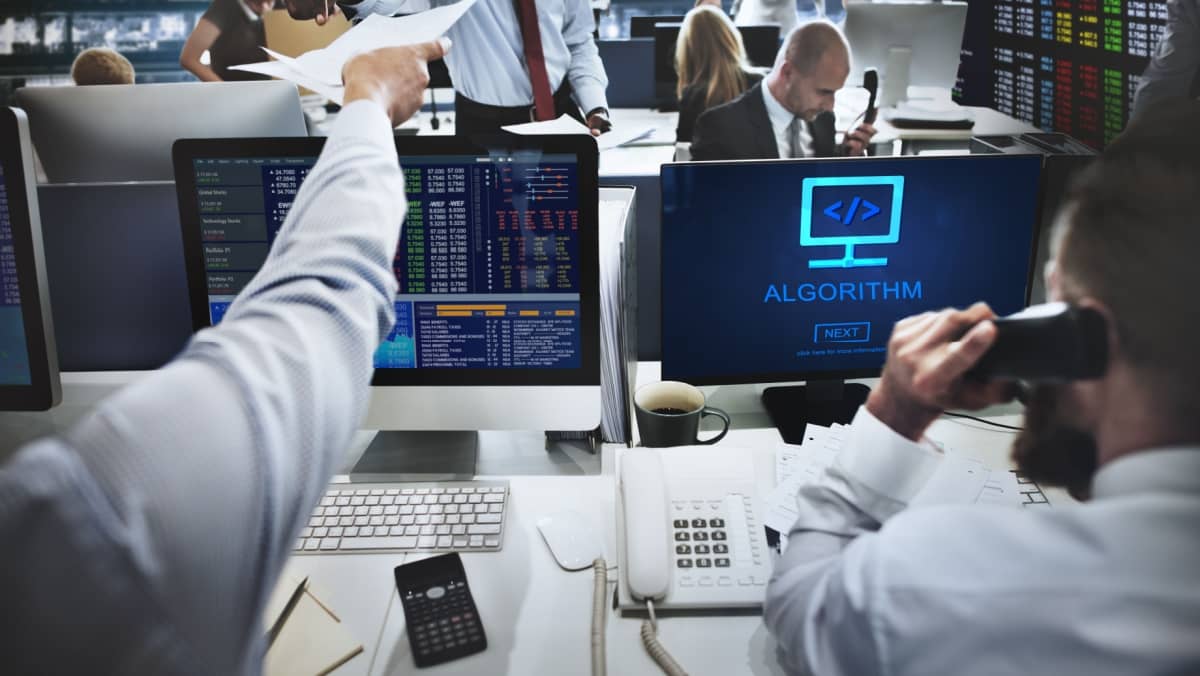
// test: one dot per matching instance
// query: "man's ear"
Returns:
(1110, 326)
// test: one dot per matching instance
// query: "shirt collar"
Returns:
(1174, 469)
(780, 117)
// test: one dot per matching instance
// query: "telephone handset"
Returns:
(1052, 342)
(689, 532)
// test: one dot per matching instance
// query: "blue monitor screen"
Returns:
(776, 271)
(488, 264)
(14, 352)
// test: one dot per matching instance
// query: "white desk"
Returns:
(537, 616)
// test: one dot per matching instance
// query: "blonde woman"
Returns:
(711, 62)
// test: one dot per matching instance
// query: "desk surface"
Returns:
(536, 615)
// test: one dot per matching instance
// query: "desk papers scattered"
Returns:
(321, 69)
(566, 124)
(957, 479)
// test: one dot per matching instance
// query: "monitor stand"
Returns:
(418, 456)
(823, 402)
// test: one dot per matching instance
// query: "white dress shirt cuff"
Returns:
(589, 95)
(885, 462)
(367, 120)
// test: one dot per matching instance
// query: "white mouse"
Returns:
(572, 539)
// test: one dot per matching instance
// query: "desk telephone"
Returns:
(690, 534)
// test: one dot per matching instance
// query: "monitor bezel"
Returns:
(843, 374)
(583, 147)
(44, 389)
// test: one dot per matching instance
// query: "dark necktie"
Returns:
(543, 99)
(794, 137)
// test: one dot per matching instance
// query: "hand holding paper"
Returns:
(321, 69)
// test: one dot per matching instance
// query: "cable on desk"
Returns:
(599, 590)
(985, 422)
(650, 638)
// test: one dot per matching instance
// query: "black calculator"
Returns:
(443, 623)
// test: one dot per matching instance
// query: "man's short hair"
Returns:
(100, 66)
(1129, 236)
(808, 44)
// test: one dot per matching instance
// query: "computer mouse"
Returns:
(572, 539)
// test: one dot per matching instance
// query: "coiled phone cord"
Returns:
(650, 638)
(599, 592)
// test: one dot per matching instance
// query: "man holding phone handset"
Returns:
(1111, 586)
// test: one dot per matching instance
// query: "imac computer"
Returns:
(497, 313)
(28, 360)
(761, 43)
(909, 43)
(799, 272)
(124, 132)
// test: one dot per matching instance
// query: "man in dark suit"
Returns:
(789, 113)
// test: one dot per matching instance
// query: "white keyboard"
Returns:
(466, 516)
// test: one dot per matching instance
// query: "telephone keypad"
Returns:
(703, 540)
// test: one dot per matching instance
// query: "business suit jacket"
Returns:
(741, 130)
(692, 105)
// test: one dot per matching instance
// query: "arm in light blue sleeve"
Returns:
(820, 601)
(213, 463)
(586, 70)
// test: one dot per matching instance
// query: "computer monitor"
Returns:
(643, 26)
(497, 316)
(909, 43)
(117, 281)
(28, 360)
(800, 272)
(124, 132)
(1071, 69)
(761, 42)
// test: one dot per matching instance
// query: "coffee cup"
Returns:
(668, 414)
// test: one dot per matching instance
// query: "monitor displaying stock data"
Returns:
(496, 267)
(1069, 66)
(28, 358)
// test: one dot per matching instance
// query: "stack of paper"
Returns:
(957, 479)
(321, 69)
(618, 289)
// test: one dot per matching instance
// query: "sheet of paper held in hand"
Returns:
(321, 69)
(565, 124)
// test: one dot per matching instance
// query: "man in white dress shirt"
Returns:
(147, 537)
(1110, 586)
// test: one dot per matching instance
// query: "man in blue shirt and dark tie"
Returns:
(516, 60)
